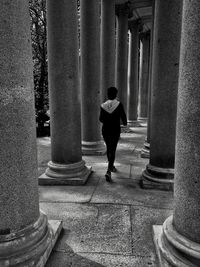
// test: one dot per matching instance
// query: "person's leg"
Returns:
(113, 147)
(108, 152)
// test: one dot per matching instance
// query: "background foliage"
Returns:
(39, 49)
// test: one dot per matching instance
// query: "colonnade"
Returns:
(103, 63)
(172, 68)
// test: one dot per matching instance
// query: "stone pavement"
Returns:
(106, 225)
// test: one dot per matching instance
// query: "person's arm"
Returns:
(123, 115)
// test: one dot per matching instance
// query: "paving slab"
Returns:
(127, 191)
(92, 228)
(97, 260)
(81, 194)
(142, 235)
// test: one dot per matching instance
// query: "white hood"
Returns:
(110, 105)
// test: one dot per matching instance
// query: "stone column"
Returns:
(26, 239)
(66, 165)
(122, 53)
(134, 27)
(90, 78)
(166, 48)
(145, 152)
(144, 75)
(180, 240)
(107, 46)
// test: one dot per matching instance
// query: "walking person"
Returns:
(111, 115)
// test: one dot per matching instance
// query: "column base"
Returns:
(142, 119)
(65, 174)
(157, 178)
(174, 249)
(133, 123)
(145, 152)
(146, 144)
(30, 246)
(93, 148)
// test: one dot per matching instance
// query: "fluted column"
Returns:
(107, 46)
(134, 27)
(90, 77)
(166, 48)
(180, 240)
(24, 232)
(122, 52)
(144, 75)
(66, 165)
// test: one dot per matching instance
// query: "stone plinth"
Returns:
(165, 70)
(65, 99)
(25, 235)
(69, 174)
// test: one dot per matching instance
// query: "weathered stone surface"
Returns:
(90, 77)
(97, 260)
(79, 194)
(127, 191)
(179, 242)
(187, 189)
(18, 164)
(142, 219)
(64, 92)
(93, 228)
(157, 231)
(166, 49)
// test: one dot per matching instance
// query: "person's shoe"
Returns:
(113, 169)
(108, 176)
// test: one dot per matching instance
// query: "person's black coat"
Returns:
(111, 121)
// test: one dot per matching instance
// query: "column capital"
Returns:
(122, 9)
(132, 24)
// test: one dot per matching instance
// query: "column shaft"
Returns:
(133, 71)
(149, 86)
(24, 233)
(122, 53)
(66, 165)
(180, 241)
(146, 149)
(164, 92)
(144, 75)
(107, 46)
(90, 77)
(145, 153)
(187, 191)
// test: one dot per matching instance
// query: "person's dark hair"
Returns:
(112, 93)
